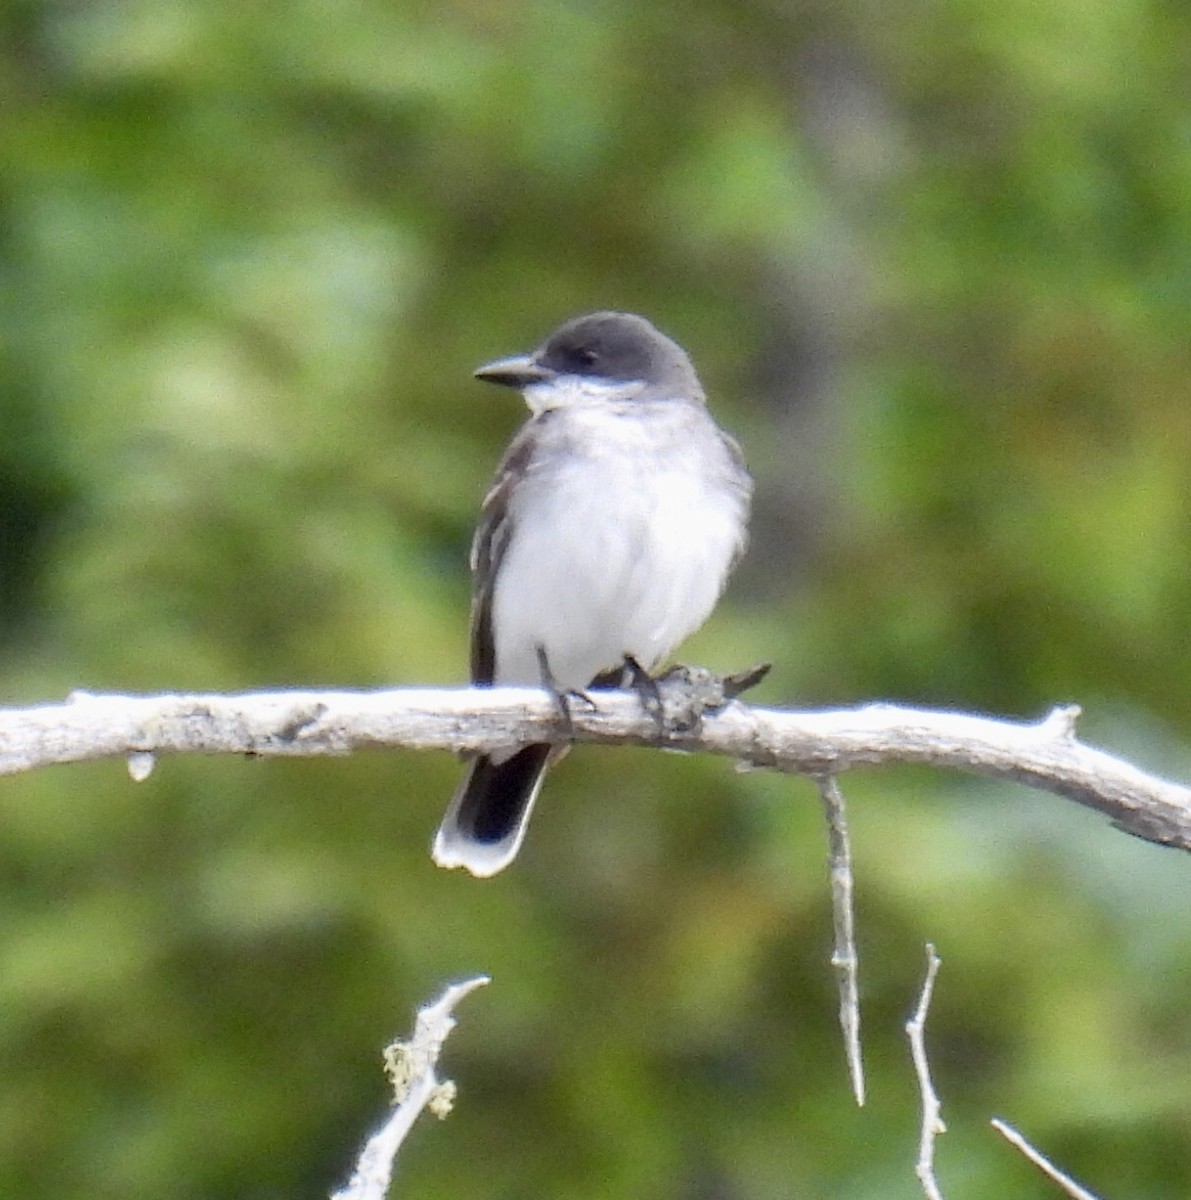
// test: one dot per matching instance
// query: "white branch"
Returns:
(1045, 754)
(844, 956)
(932, 1112)
(411, 1070)
(1064, 1181)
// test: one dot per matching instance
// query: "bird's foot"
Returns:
(676, 699)
(561, 696)
(689, 692)
(635, 676)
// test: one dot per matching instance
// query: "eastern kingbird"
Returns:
(608, 534)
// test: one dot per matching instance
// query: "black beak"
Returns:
(519, 371)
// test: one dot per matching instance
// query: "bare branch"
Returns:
(1044, 754)
(410, 1067)
(844, 956)
(932, 1120)
(1041, 1161)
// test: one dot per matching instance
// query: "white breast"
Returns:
(623, 535)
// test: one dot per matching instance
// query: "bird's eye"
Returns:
(584, 356)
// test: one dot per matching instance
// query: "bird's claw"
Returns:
(561, 697)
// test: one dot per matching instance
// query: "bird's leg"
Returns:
(689, 692)
(562, 697)
(648, 692)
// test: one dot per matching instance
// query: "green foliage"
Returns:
(932, 265)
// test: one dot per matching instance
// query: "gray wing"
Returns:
(493, 535)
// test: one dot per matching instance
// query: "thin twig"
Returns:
(1040, 1160)
(411, 1070)
(844, 956)
(932, 1120)
(1044, 754)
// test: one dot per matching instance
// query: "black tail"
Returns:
(485, 823)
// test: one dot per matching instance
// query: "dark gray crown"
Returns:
(620, 346)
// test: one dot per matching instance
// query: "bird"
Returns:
(606, 538)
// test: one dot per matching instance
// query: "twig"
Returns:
(410, 1067)
(932, 1120)
(1041, 1161)
(844, 956)
(1045, 754)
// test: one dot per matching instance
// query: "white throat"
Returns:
(575, 391)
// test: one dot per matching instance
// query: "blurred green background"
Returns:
(934, 264)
